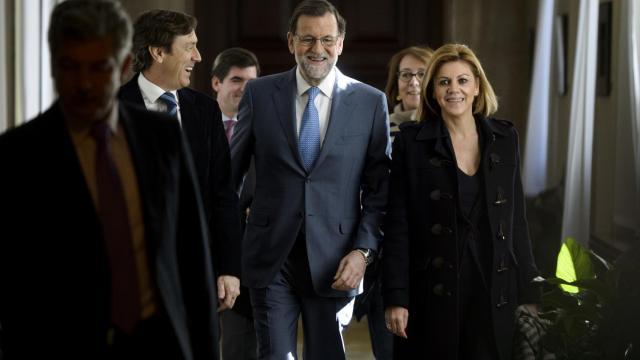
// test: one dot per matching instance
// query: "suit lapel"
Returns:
(285, 107)
(130, 92)
(188, 116)
(341, 108)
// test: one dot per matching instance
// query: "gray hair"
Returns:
(83, 20)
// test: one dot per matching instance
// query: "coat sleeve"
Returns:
(224, 224)
(395, 257)
(242, 140)
(195, 264)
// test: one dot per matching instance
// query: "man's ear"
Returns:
(292, 48)
(215, 83)
(157, 53)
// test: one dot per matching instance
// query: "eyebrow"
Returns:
(457, 77)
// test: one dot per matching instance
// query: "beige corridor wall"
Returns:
(501, 33)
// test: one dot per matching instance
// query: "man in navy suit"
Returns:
(231, 71)
(321, 146)
(165, 52)
(104, 251)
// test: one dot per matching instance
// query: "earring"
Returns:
(398, 97)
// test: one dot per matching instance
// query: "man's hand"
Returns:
(228, 291)
(396, 319)
(350, 271)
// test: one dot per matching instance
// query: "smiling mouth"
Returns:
(455, 100)
(316, 59)
(189, 69)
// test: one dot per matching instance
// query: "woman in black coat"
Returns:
(458, 257)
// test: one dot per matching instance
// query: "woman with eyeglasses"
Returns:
(406, 69)
(457, 255)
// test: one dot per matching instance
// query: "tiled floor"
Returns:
(356, 341)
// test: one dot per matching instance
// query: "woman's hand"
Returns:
(396, 318)
(533, 308)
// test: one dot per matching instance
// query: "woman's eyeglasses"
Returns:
(406, 76)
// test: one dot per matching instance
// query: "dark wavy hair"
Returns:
(316, 8)
(158, 28)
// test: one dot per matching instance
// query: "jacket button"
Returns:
(502, 301)
(438, 229)
(438, 262)
(438, 195)
(500, 199)
(438, 289)
(435, 161)
(502, 266)
(500, 235)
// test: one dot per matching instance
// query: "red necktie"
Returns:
(125, 298)
(228, 128)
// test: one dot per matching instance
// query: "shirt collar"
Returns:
(225, 117)
(151, 91)
(326, 86)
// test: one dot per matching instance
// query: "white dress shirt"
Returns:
(322, 100)
(151, 94)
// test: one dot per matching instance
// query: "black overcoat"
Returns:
(420, 256)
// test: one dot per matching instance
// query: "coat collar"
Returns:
(435, 128)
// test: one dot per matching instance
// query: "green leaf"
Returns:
(574, 263)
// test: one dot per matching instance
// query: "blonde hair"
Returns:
(422, 53)
(486, 103)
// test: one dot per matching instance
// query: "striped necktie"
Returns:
(172, 104)
(116, 231)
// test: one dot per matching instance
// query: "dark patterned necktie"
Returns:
(228, 128)
(125, 294)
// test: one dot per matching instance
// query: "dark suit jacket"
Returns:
(420, 257)
(54, 275)
(209, 147)
(340, 202)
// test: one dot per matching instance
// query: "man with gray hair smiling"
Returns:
(104, 251)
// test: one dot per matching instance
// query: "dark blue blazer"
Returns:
(54, 275)
(340, 202)
(201, 123)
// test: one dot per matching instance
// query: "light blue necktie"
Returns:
(309, 139)
(172, 105)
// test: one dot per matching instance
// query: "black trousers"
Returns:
(153, 338)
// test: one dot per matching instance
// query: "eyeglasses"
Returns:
(308, 41)
(406, 76)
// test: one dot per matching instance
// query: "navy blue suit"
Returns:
(320, 215)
